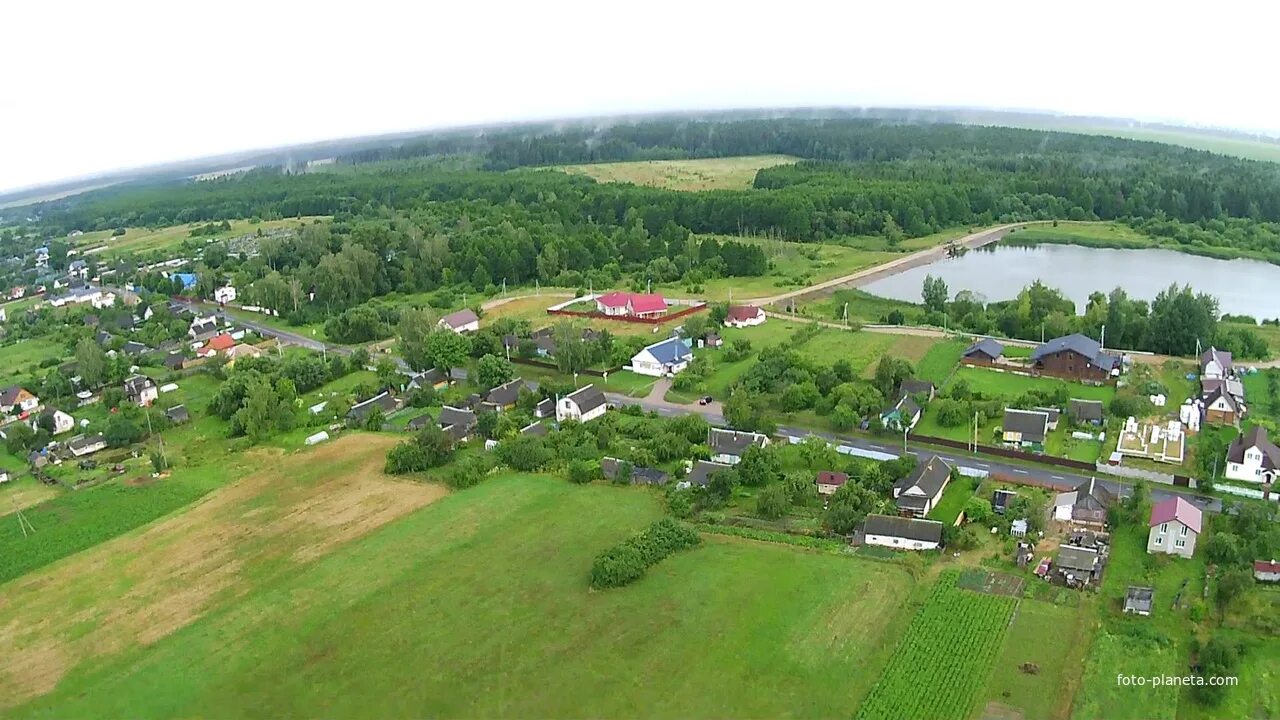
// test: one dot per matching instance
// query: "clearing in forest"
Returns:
(731, 173)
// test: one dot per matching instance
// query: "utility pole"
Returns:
(845, 314)
(904, 439)
(1102, 343)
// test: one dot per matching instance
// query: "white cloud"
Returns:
(96, 86)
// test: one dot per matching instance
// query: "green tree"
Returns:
(582, 472)
(772, 502)
(1232, 585)
(492, 371)
(978, 510)
(759, 466)
(388, 374)
(91, 362)
(935, 294)
(890, 372)
(446, 349)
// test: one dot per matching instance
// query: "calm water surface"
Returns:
(999, 272)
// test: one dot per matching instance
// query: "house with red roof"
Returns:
(218, 343)
(1266, 570)
(620, 304)
(829, 481)
(744, 316)
(1174, 527)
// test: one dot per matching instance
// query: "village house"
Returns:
(1000, 500)
(545, 408)
(985, 352)
(1084, 412)
(902, 533)
(902, 415)
(584, 404)
(1216, 364)
(419, 422)
(667, 357)
(639, 475)
(174, 361)
(177, 414)
(1075, 357)
(536, 429)
(740, 316)
(458, 423)
(86, 444)
(240, 351)
(727, 446)
(1252, 457)
(1220, 406)
(1266, 570)
(202, 329)
(620, 304)
(16, 400)
(914, 387)
(433, 378)
(463, 321)
(1174, 527)
(216, 344)
(224, 295)
(1025, 428)
(1078, 566)
(1054, 415)
(700, 474)
(94, 296)
(59, 421)
(383, 402)
(1086, 505)
(829, 481)
(919, 492)
(141, 390)
(504, 396)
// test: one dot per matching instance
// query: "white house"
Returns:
(919, 492)
(224, 295)
(727, 446)
(1216, 364)
(17, 400)
(1252, 457)
(662, 358)
(620, 304)
(1266, 570)
(463, 321)
(583, 404)
(1174, 527)
(94, 296)
(901, 533)
(141, 389)
(62, 422)
(744, 316)
(86, 444)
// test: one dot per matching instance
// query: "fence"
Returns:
(1148, 475)
(553, 366)
(1007, 452)
(628, 318)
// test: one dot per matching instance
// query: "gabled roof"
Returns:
(382, 400)
(419, 422)
(1091, 495)
(506, 393)
(11, 395)
(831, 477)
(742, 313)
(614, 299)
(1080, 559)
(733, 442)
(587, 398)
(1220, 392)
(669, 351)
(927, 478)
(537, 429)
(1032, 424)
(912, 386)
(985, 346)
(178, 413)
(647, 303)
(1084, 409)
(1254, 437)
(174, 360)
(427, 378)
(460, 318)
(221, 341)
(1138, 598)
(1175, 508)
(134, 348)
(1079, 344)
(702, 471)
(85, 441)
(134, 385)
(1266, 566)
(1222, 357)
(906, 407)
(456, 416)
(907, 528)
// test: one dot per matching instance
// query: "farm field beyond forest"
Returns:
(486, 588)
(147, 239)
(729, 173)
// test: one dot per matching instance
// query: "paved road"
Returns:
(1057, 478)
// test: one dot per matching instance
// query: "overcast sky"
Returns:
(95, 86)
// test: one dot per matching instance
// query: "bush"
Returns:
(627, 561)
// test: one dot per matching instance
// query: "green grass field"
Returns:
(136, 240)
(730, 173)
(1008, 385)
(21, 359)
(940, 361)
(478, 606)
(953, 499)
(1052, 637)
(1092, 234)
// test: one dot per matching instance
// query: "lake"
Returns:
(999, 272)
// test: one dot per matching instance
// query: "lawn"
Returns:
(478, 606)
(953, 499)
(992, 383)
(940, 361)
(1054, 639)
(730, 173)
(1092, 234)
(21, 359)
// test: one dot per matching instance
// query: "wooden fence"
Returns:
(628, 318)
(1007, 452)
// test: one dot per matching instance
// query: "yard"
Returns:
(20, 360)
(953, 499)
(488, 588)
(993, 383)
(1037, 672)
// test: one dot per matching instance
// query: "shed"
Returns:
(1138, 600)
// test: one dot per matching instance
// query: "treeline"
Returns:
(923, 176)
(1172, 324)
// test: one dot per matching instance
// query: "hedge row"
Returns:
(627, 561)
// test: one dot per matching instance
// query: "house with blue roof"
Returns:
(663, 358)
(188, 280)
